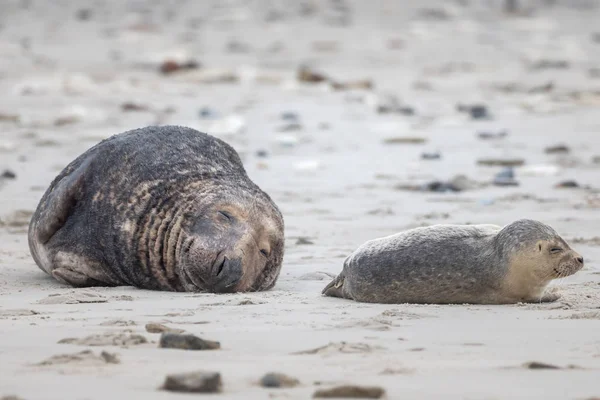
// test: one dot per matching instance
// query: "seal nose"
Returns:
(579, 260)
(226, 275)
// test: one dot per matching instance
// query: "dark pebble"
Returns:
(502, 162)
(277, 380)
(506, 177)
(539, 365)
(83, 14)
(206, 112)
(440, 187)
(351, 391)
(8, 174)
(194, 382)
(431, 156)
(170, 66)
(557, 149)
(169, 340)
(289, 116)
(477, 111)
(567, 184)
(262, 153)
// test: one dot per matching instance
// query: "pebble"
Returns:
(502, 162)
(194, 382)
(431, 156)
(550, 64)
(170, 340)
(207, 112)
(506, 177)
(557, 149)
(287, 140)
(170, 66)
(293, 126)
(486, 135)
(262, 153)
(404, 140)
(304, 241)
(539, 365)
(365, 84)
(307, 75)
(130, 106)
(351, 391)
(290, 116)
(476, 111)
(277, 380)
(160, 328)
(569, 184)
(8, 174)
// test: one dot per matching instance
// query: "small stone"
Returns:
(476, 111)
(170, 66)
(569, 184)
(506, 177)
(262, 153)
(130, 106)
(353, 85)
(351, 391)
(160, 328)
(304, 241)
(404, 140)
(431, 156)
(557, 149)
(485, 135)
(9, 117)
(169, 340)
(501, 162)
(110, 358)
(207, 112)
(8, 174)
(294, 126)
(277, 380)
(290, 116)
(194, 382)
(550, 64)
(83, 14)
(307, 75)
(539, 365)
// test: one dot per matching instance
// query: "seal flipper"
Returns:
(335, 288)
(58, 204)
(74, 278)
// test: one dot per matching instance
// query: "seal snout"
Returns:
(226, 274)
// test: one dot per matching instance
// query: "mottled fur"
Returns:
(484, 264)
(142, 208)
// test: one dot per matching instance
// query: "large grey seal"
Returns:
(445, 264)
(164, 208)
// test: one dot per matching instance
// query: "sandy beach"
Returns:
(347, 159)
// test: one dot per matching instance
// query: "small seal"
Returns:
(457, 264)
(162, 208)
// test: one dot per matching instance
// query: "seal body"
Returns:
(163, 208)
(445, 264)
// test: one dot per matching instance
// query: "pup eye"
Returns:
(264, 253)
(555, 250)
(226, 215)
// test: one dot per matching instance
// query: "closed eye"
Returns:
(226, 215)
(264, 253)
(555, 250)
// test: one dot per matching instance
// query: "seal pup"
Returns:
(163, 208)
(455, 264)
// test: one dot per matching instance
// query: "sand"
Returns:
(66, 70)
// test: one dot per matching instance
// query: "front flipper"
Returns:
(335, 288)
(58, 203)
(74, 278)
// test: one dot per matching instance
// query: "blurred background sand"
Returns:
(360, 119)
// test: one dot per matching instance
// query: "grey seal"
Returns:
(162, 208)
(446, 264)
